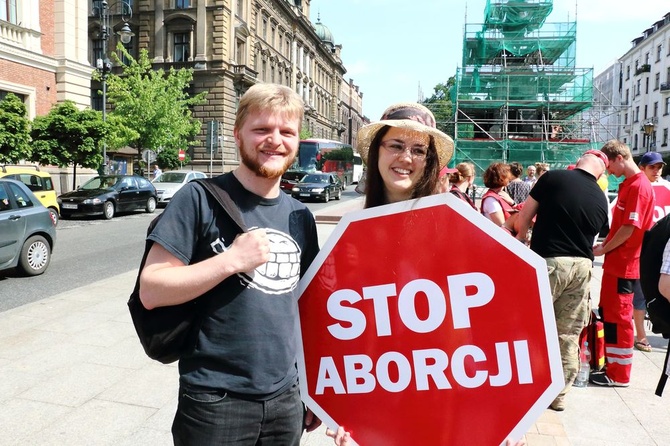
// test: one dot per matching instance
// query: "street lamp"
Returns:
(104, 64)
(648, 128)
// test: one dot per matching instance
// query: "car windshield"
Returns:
(171, 177)
(101, 183)
(315, 179)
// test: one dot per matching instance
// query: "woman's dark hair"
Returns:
(374, 184)
(496, 175)
(516, 169)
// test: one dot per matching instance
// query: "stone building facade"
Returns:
(644, 90)
(233, 44)
(43, 59)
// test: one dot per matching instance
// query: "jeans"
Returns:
(213, 417)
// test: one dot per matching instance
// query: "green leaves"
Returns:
(154, 104)
(441, 106)
(14, 131)
(67, 135)
(169, 159)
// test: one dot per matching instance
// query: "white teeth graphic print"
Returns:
(281, 273)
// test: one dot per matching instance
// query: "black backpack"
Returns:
(658, 307)
(166, 332)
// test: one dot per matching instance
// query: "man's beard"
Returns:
(261, 171)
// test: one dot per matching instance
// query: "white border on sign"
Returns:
(497, 233)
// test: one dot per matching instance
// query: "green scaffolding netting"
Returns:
(518, 95)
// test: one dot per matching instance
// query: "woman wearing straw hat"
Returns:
(404, 154)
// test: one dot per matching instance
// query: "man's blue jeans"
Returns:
(212, 417)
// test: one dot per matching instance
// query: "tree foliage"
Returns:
(343, 154)
(441, 105)
(153, 103)
(67, 135)
(305, 133)
(169, 159)
(14, 131)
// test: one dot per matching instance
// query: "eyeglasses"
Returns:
(395, 148)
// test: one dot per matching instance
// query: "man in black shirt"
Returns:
(570, 210)
(239, 382)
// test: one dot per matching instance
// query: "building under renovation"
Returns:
(518, 94)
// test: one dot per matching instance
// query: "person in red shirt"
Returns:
(631, 217)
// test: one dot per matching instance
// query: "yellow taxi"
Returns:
(38, 181)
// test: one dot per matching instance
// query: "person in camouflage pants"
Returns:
(570, 280)
(570, 211)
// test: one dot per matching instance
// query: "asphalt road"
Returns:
(89, 249)
(86, 250)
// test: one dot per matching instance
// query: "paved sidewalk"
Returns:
(73, 373)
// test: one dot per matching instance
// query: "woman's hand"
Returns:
(341, 437)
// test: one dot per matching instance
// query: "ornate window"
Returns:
(240, 51)
(179, 41)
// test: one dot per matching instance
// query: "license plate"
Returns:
(304, 195)
(69, 206)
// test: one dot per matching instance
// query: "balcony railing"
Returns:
(665, 87)
(646, 68)
(244, 75)
(20, 37)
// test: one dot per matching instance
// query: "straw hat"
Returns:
(411, 116)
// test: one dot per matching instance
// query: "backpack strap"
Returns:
(212, 186)
(664, 374)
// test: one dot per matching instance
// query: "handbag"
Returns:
(167, 332)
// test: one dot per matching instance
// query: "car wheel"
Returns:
(339, 195)
(54, 215)
(108, 210)
(326, 197)
(344, 184)
(151, 205)
(35, 256)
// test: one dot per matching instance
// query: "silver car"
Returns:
(168, 183)
(27, 229)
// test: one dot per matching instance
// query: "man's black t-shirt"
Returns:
(572, 211)
(246, 344)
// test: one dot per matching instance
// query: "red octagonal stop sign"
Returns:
(424, 323)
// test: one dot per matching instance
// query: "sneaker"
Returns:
(558, 404)
(601, 379)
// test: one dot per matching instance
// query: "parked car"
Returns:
(108, 195)
(38, 181)
(168, 183)
(289, 179)
(27, 229)
(321, 186)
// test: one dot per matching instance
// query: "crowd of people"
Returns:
(241, 364)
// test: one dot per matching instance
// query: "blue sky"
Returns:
(390, 47)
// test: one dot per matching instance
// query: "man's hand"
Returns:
(598, 250)
(251, 250)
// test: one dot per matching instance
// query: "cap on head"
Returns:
(651, 158)
(447, 171)
(411, 116)
(600, 155)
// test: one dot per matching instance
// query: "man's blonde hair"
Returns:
(269, 97)
(614, 147)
